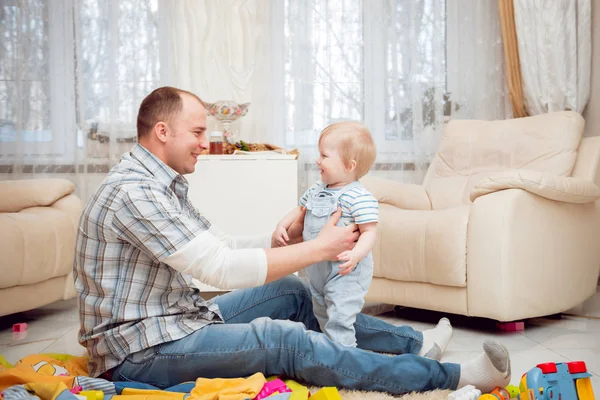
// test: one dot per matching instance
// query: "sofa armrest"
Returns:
(552, 187)
(529, 256)
(402, 195)
(17, 195)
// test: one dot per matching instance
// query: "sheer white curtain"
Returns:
(223, 50)
(72, 75)
(117, 63)
(555, 49)
(402, 67)
(73, 72)
(380, 62)
(475, 76)
(37, 92)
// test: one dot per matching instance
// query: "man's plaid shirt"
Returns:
(128, 299)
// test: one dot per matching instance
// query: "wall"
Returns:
(592, 111)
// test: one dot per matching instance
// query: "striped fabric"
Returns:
(87, 383)
(358, 205)
(129, 300)
(18, 393)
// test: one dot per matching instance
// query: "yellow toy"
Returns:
(510, 392)
(327, 393)
(513, 391)
(92, 394)
(299, 392)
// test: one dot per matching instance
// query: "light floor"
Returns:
(53, 329)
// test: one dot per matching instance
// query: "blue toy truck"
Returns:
(557, 381)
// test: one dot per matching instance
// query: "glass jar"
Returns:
(216, 142)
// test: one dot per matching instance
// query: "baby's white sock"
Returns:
(488, 370)
(435, 340)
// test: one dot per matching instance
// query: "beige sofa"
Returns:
(506, 224)
(38, 223)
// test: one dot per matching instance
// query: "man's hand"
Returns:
(330, 242)
(351, 259)
(335, 240)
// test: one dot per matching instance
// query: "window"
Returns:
(36, 80)
(72, 76)
(117, 71)
(379, 61)
(73, 72)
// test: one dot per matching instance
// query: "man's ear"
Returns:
(351, 166)
(160, 130)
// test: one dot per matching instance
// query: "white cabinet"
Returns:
(244, 195)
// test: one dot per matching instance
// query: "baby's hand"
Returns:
(351, 260)
(280, 236)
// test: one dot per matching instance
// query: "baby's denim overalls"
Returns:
(336, 298)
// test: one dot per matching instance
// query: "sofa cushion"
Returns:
(403, 195)
(37, 244)
(559, 188)
(471, 151)
(422, 246)
(17, 195)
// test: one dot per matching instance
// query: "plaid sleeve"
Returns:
(149, 220)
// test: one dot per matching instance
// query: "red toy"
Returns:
(511, 326)
(22, 327)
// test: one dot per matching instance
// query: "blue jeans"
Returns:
(272, 329)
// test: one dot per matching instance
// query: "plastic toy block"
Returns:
(511, 326)
(468, 392)
(300, 395)
(568, 381)
(299, 392)
(327, 393)
(92, 394)
(21, 327)
(274, 386)
(293, 385)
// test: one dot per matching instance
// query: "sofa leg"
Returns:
(554, 316)
(511, 326)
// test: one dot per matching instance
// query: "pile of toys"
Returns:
(548, 381)
(274, 389)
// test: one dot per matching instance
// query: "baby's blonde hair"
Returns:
(354, 143)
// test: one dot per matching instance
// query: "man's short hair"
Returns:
(354, 143)
(162, 104)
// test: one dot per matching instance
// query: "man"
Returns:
(140, 243)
